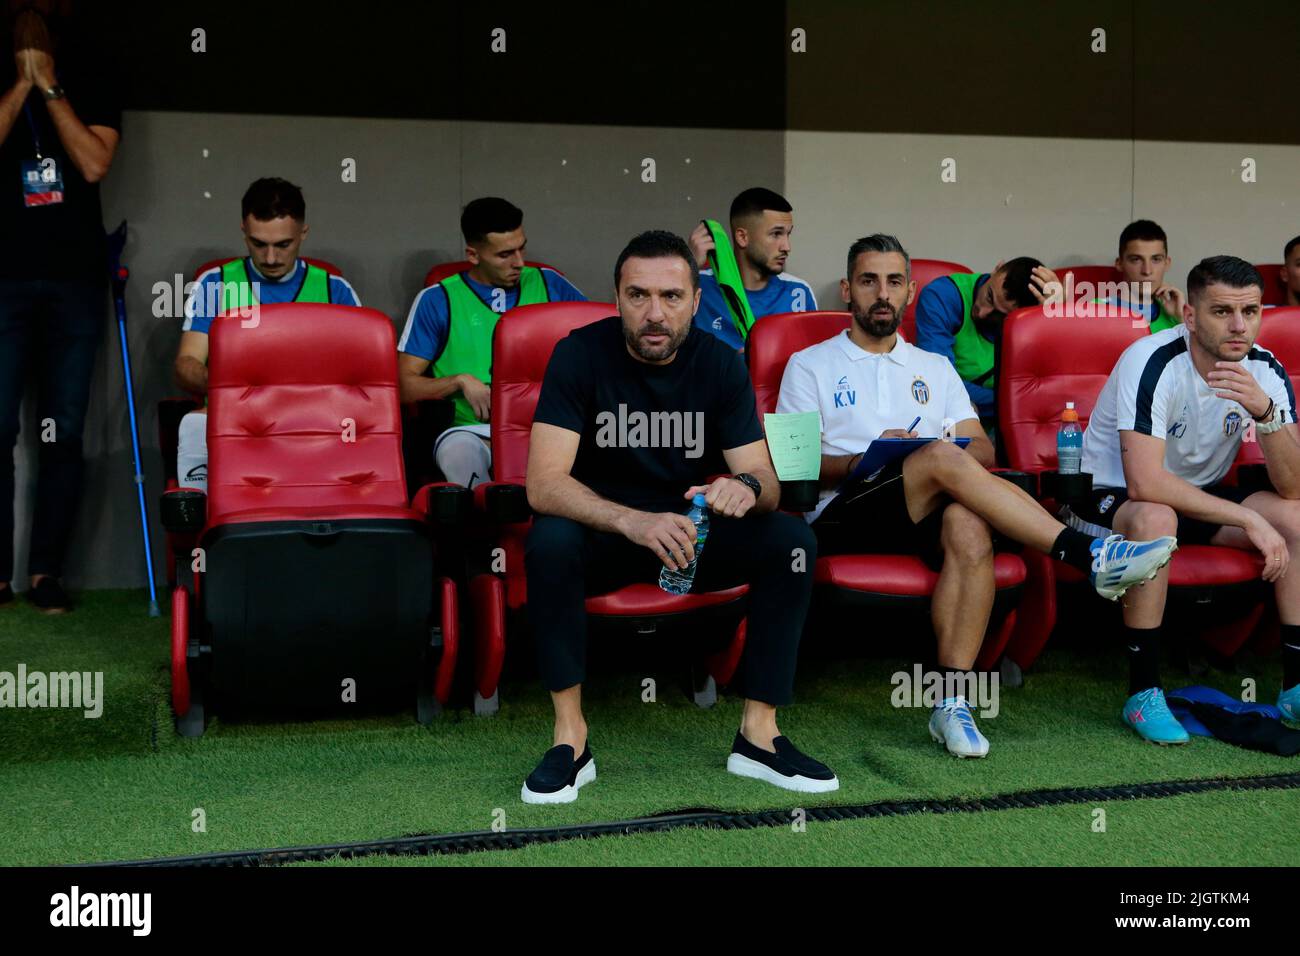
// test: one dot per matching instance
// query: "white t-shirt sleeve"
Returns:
(798, 389)
(957, 405)
(1143, 401)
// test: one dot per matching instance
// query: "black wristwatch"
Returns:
(750, 482)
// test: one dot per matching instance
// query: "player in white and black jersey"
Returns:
(1167, 426)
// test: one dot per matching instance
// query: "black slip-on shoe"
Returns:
(787, 768)
(48, 597)
(7, 596)
(558, 777)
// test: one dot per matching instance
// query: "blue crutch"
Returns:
(119, 274)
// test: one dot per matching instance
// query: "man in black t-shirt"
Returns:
(58, 134)
(636, 412)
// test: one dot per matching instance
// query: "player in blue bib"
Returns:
(761, 223)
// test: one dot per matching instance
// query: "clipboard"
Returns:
(884, 451)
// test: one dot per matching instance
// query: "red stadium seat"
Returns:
(1094, 275)
(872, 579)
(1045, 366)
(441, 270)
(1274, 290)
(925, 271)
(1102, 282)
(1045, 363)
(315, 571)
(521, 348)
(1280, 334)
(172, 410)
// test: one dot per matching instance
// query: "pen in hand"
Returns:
(889, 434)
(893, 434)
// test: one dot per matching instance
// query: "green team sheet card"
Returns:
(795, 441)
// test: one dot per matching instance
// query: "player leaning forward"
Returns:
(1167, 426)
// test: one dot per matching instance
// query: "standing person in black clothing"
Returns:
(58, 133)
(636, 412)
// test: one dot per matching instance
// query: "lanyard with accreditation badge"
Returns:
(42, 181)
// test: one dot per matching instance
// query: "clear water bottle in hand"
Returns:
(679, 582)
(1069, 443)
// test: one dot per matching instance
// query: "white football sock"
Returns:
(192, 451)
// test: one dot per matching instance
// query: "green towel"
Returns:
(727, 272)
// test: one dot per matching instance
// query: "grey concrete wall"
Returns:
(1195, 191)
(1062, 200)
(580, 187)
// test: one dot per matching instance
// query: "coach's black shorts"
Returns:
(1095, 515)
(871, 518)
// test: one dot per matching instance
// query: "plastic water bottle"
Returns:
(679, 582)
(1069, 443)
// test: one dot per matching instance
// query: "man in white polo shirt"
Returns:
(939, 503)
(1167, 426)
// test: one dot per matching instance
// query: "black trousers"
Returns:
(773, 553)
(52, 328)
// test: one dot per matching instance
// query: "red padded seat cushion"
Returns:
(902, 575)
(651, 599)
(303, 412)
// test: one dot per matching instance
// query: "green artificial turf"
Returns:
(1229, 829)
(124, 786)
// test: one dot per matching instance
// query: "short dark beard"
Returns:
(1216, 352)
(665, 351)
(762, 268)
(874, 327)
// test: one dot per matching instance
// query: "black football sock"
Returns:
(958, 682)
(1143, 646)
(1290, 655)
(1074, 547)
